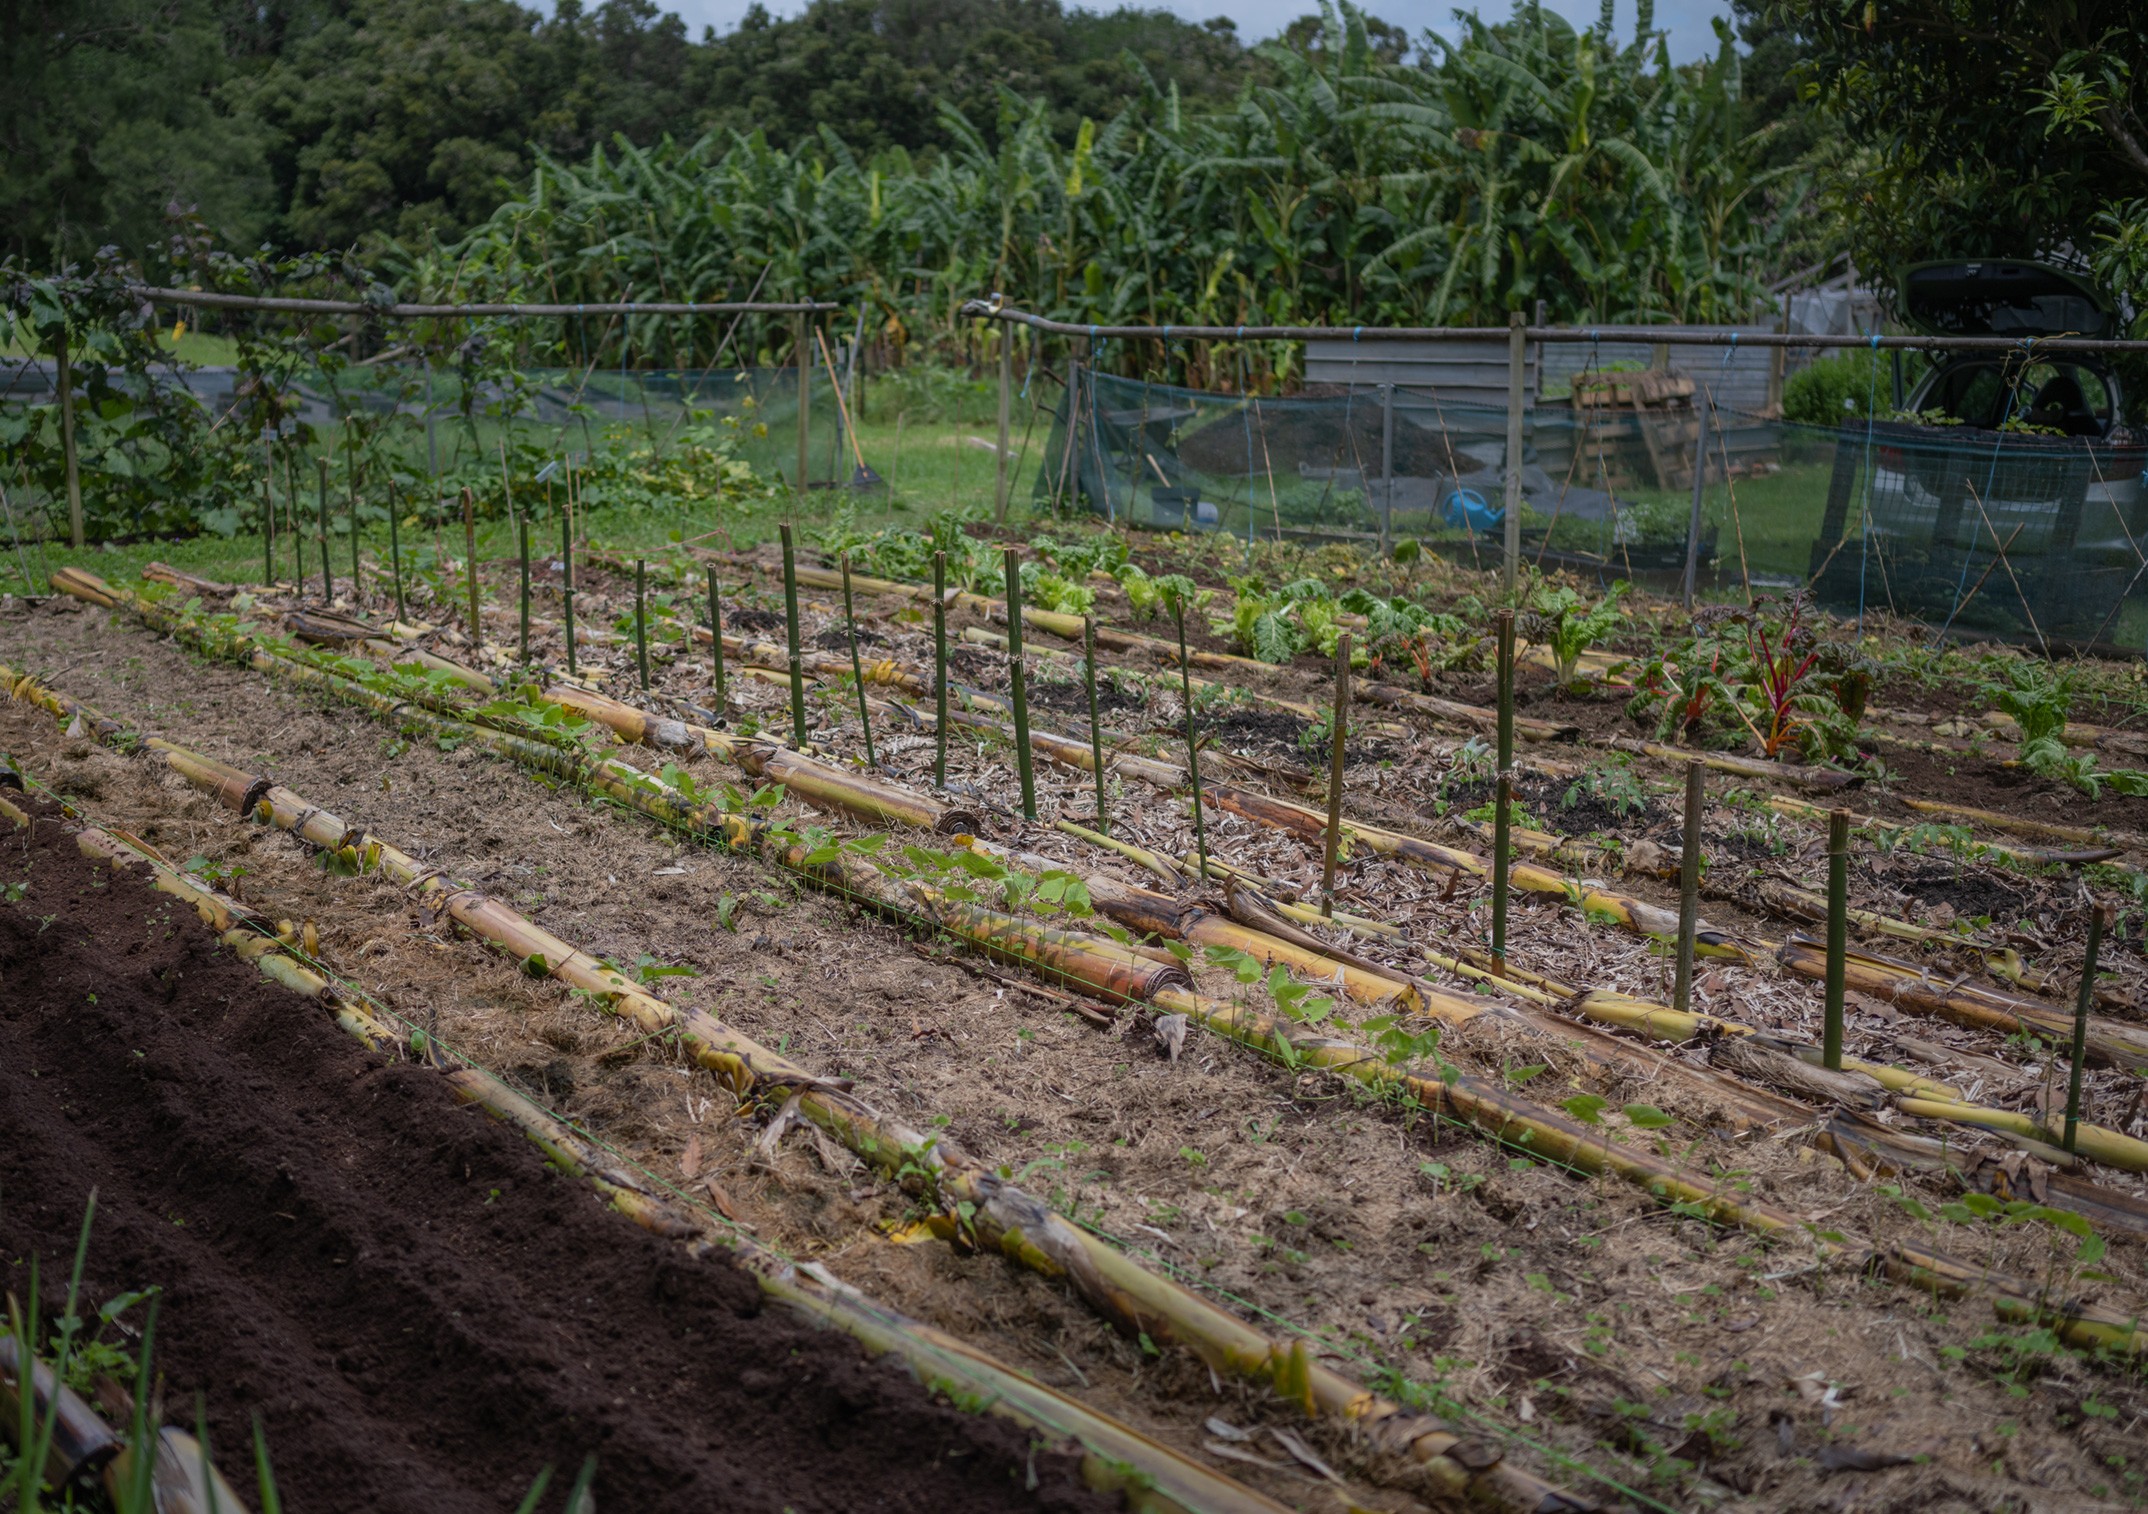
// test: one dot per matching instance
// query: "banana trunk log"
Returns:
(1812, 814)
(1635, 914)
(1909, 986)
(1540, 1133)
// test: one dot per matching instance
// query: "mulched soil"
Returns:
(421, 1312)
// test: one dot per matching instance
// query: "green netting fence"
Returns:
(1988, 533)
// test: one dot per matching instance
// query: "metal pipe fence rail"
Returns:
(2041, 535)
(202, 299)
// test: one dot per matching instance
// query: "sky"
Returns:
(1687, 21)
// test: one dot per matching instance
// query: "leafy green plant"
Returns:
(1558, 617)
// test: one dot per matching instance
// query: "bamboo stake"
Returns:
(328, 582)
(641, 622)
(723, 698)
(522, 543)
(1193, 752)
(566, 578)
(1502, 816)
(857, 670)
(395, 549)
(1689, 870)
(1338, 728)
(350, 460)
(939, 669)
(790, 598)
(1838, 932)
(268, 515)
(469, 562)
(1018, 686)
(2082, 1003)
(1096, 730)
(290, 518)
(64, 374)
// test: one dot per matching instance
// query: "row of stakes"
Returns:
(1690, 861)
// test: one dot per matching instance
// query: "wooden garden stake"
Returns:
(2083, 1002)
(1502, 821)
(790, 608)
(1339, 725)
(328, 582)
(1193, 751)
(716, 639)
(1018, 686)
(857, 668)
(522, 541)
(1689, 868)
(1838, 934)
(469, 566)
(395, 548)
(566, 582)
(1096, 730)
(939, 669)
(641, 620)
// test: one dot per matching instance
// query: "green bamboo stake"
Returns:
(1338, 732)
(268, 512)
(1838, 935)
(290, 516)
(857, 668)
(641, 620)
(1018, 686)
(939, 669)
(1502, 820)
(522, 539)
(1096, 730)
(395, 547)
(353, 463)
(469, 564)
(2081, 1005)
(716, 639)
(328, 582)
(566, 582)
(790, 631)
(1689, 869)
(1193, 750)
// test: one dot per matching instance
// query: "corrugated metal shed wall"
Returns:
(1474, 373)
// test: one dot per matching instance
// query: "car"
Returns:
(2070, 394)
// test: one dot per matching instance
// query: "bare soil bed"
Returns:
(421, 1312)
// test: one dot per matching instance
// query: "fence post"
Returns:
(1778, 360)
(803, 362)
(1517, 355)
(1387, 464)
(1700, 474)
(1006, 401)
(66, 380)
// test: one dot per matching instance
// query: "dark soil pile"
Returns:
(1071, 697)
(1340, 435)
(750, 620)
(423, 1314)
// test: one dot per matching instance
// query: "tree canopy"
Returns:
(2005, 128)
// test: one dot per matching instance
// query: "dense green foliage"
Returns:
(333, 123)
(1528, 160)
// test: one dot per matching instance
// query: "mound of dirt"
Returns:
(1344, 436)
(423, 1314)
